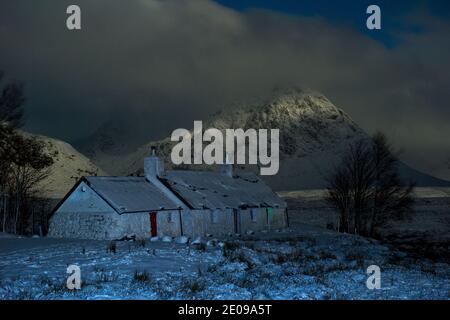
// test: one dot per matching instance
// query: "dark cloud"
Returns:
(157, 65)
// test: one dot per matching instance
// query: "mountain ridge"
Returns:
(313, 133)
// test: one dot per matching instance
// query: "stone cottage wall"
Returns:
(134, 224)
(169, 223)
(138, 224)
(215, 222)
(84, 215)
(279, 218)
(85, 225)
(221, 222)
(257, 224)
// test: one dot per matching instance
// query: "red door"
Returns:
(153, 226)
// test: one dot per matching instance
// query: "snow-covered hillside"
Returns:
(69, 165)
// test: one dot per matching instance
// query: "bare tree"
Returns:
(366, 188)
(23, 161)
(29, 167)
(11, 117)
(12, 100)
(390, 197)
(339, 196)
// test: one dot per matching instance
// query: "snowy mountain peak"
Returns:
(307, 120)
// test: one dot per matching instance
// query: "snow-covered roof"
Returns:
(209, 189)
(130, 194)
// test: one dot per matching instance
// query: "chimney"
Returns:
(227, 168)
(153, 166)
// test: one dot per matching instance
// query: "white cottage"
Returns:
(174, 203)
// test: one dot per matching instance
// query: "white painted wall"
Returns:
(85, 215)
(84, 199)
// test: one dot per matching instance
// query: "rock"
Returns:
(209, 235)
(221, 244)
(167, 239)
(250, 232)
(182, 240)
(197, 240)
(128, 237)
(211, 243)
(154, 239)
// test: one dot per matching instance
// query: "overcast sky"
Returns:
(166, 63)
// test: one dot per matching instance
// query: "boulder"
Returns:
(182, 240)
(197, 240)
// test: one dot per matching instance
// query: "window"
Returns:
(268, 215)
(170, 217)
(253, 215)
(215, 216)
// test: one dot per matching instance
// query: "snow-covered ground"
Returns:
(303, 263)
(425, 231)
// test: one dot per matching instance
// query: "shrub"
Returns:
(193, 285)
(200, 247)
(112, 247)
(326, 255)
(229, 247)
(355, 256)
(104, 276)
(295, 256)
(141, 243)
(141, 276)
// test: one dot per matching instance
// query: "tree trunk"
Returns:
(5, 210)
(3, 213)
(344, 221)
(17, 212)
